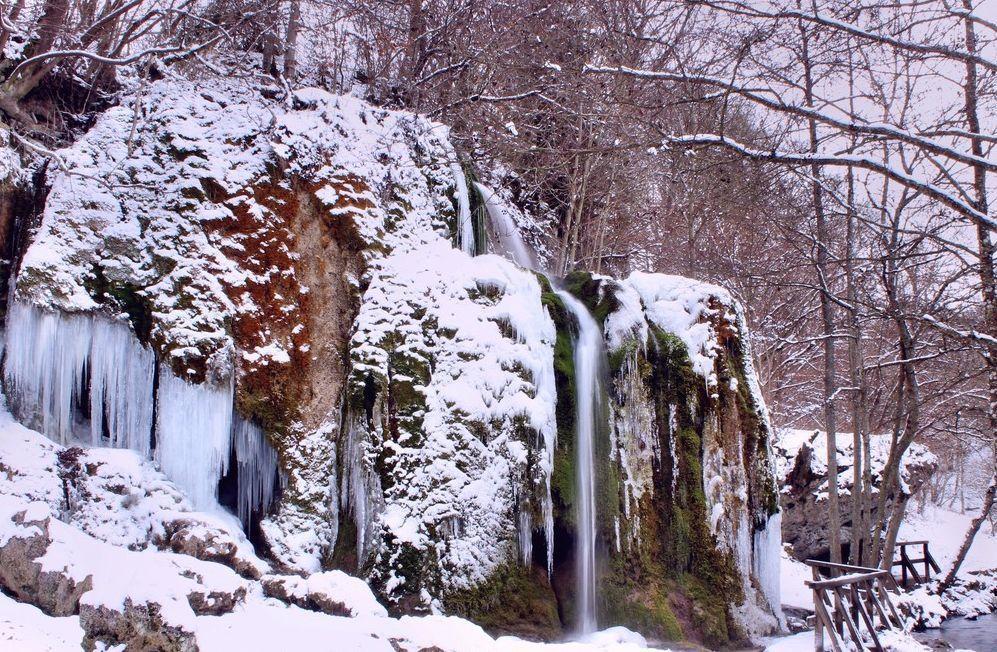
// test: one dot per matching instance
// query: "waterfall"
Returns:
(505, 229)
(465, 226)
(589, 355)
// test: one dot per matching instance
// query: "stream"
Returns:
(979, 635)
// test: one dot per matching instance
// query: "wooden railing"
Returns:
(909, 574)
(851, 606)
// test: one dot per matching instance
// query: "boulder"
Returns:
(801, 457)
(330, 592)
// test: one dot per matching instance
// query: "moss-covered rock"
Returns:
(514, 600)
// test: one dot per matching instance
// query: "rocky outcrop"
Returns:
(691, 525)
(802, 456)
(137, 627)
(143, 600)
(24, 577)
(232, 264)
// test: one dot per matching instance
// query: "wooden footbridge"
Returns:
(852, 604)
(910, 576)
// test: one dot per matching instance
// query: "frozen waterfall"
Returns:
(257, 466)
(59, 367)
(86, 379)
(193, 431)
(588, 358)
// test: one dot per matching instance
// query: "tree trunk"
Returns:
(291, 53)
(856, 375)
(827, 317)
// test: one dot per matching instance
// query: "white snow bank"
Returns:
(792, 577)
(28, 629)
(893, 641)
(115, 495)
(117, 574)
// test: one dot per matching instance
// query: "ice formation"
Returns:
(59, 366)
(257, 466)
(83, 378)
(767, 559)
(193, 431)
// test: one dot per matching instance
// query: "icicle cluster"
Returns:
(524, 528)
(60, 365)
(361, 492)
(257, 463)
(193, 430)
(60, 368)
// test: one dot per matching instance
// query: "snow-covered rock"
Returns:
(115, 496)
(274, 303)
(146, 599)
(802, 463)
(331, 592)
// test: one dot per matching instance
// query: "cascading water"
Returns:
(465, 226)
(505, 229)
(588, 358)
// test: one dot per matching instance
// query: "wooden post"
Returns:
(818, 624)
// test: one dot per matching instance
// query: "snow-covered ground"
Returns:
(792, 588)
(107, 550)
(944, 530)
(27, 629)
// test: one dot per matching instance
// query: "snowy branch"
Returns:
(837, 160)
(881, 130)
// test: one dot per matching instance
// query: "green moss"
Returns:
(598, 295)
(563, 475)
(641, 606)
(513, 600)
(674, 580)
(479, 212)
(710, 613)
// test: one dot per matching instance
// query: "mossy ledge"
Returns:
(674, 583)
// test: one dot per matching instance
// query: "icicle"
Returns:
(121, 381)
(766, 561)
(50, 357)
(257, 463)
(193, 435)
(361, 490)
(465, 226)
(525, 530)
